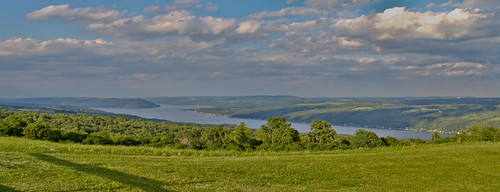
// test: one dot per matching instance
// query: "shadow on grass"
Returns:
(135, 181)
(7, 189)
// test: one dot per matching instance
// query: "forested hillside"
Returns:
(433, 113)
(276, 135)
(86, 102)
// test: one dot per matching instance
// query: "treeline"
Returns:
(277, 134)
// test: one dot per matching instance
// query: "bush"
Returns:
(364, 138)
(99, 138)
(75, 137)
(42, 131)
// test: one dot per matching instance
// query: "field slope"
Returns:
(27, 165)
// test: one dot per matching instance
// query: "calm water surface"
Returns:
(178, 113)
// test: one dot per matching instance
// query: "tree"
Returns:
(241, 136)
(277, 134)
(435, 137)
(474, 132)
(98, 138)
(4, 128)
(321, 132)
(41, 131)
(15, 126)
(215, 138)
(487, 133)
(390, 141)
(282, 132)
(364, 138)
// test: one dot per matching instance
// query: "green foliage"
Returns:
(241, 136)
(435, 137)
(282, 134)
(14, 127)
(216, 138)
(98, 138)
(391, 141)
(321, 132)
(276, 135)
(42, 131)
(364, 138)
(442, 114)
(76, 137)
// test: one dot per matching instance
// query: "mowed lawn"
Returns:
(27, 165)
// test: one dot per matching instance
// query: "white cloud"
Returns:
(447, 69)
(181, 4)
(397, 43)
(30, 47)
(430, 5)
(314, 7)
(399, 23)
(152, 9)
(289, 11)
(248, 27)
(76, 14)
(173, 23)
(336, 4)
(478, 3)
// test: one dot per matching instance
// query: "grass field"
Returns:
(28, 165)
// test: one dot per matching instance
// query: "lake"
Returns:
(181, 113)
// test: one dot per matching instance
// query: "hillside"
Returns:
(29, 165)
(92, 102)
(434, 113)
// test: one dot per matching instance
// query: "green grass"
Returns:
(27, 165)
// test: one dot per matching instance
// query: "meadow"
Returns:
(34, 165)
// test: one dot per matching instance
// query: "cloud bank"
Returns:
(294, 50)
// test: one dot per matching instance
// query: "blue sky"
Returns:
(308, 48)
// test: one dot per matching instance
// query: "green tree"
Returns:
(321, 132)
(98, 138)
(487, 133)
(277, 134)
(215, 137)
(15, 126)
(436, 137)
(4, 128)
(41, 131)
(474, 132)
(390, 141)
(364, 138)
(282, 133)
(241, 136)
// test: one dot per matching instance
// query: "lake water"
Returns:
(180, 113)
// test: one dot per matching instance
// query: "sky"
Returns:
(306, 48)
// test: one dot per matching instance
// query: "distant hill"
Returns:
(92, 102)
(230, 101)
(449, 114)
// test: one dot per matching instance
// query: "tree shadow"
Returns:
(136, 181)
(7, 189)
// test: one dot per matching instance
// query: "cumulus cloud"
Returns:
(75, 14)
(478, 3)
(173, 23)
(447, 69)
(314, 48)
(336, 4)
(289, 11)
(313, 7)
(152, 9)
(30, 47)
(178, 5)
(399, 23)
(181, 4)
